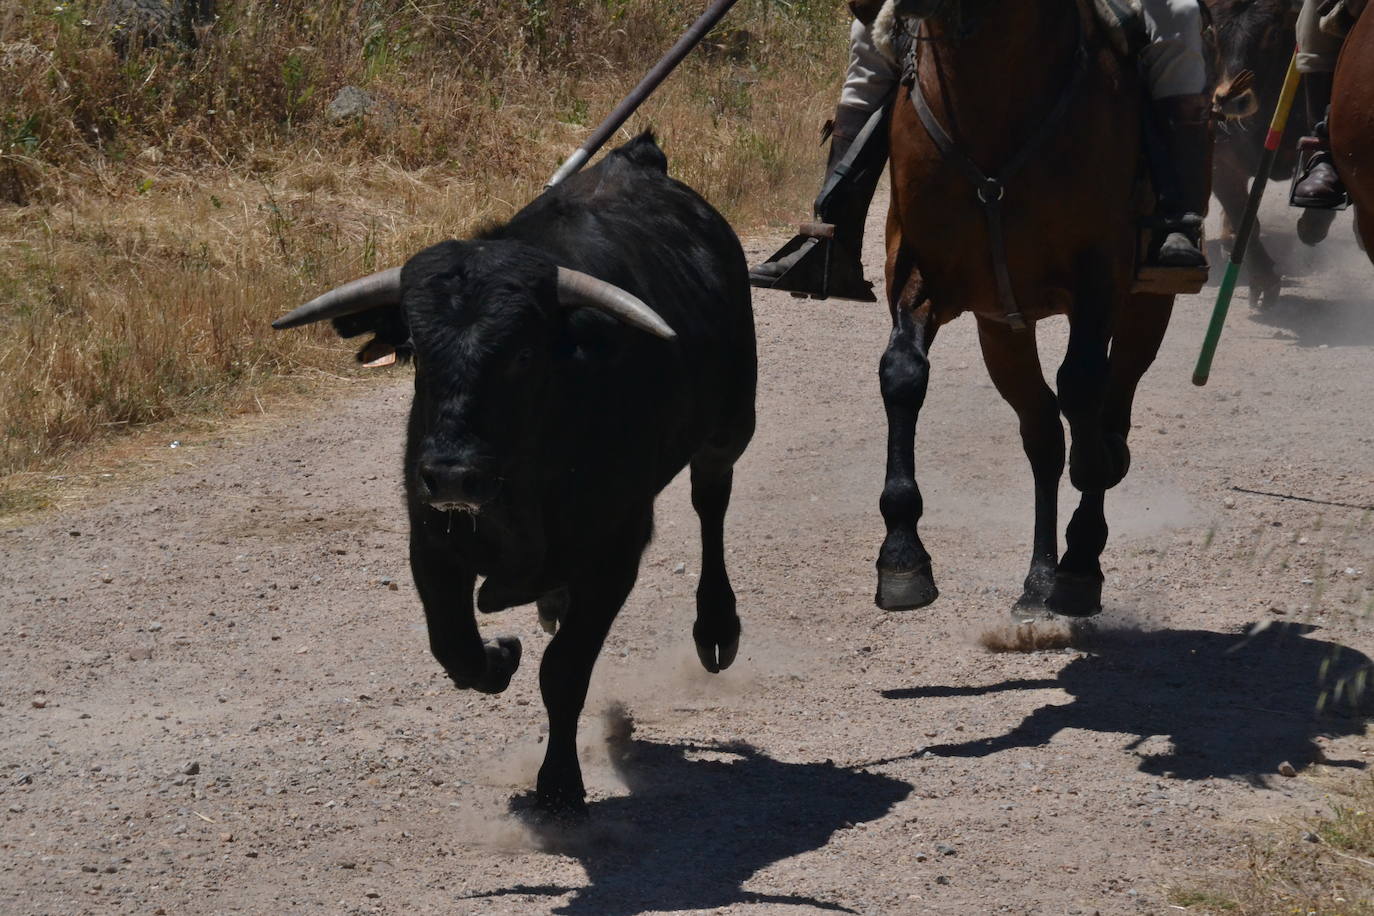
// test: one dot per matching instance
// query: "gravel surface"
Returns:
(216, 694)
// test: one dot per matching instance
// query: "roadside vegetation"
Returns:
(162, 201)
(1320, 867)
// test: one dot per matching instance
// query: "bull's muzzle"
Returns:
(449, 485)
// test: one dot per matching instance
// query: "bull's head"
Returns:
(485, 322)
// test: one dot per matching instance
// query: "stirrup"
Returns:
(1154, 278)
(823, 268)
(1308, 147)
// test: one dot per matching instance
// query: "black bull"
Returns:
(540, 432)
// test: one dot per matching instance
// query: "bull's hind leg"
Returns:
(1014, 365)
(905, 581)
(716, 631)
(594, 599)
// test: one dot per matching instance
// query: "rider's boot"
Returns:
(831, 267)
(1319, 185)
(1183, 178)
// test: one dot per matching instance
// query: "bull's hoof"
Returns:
(1075, 595)
(503, 657)
(716, 654)
(905, 590)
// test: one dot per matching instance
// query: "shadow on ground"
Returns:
(1232, 704)
(698, 822)
(1315, 321)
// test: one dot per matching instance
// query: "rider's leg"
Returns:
(1319, 186)
(844, 198)
(1177, 77)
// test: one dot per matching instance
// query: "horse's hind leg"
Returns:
(904, 577)
(1014, 366)
(1139, 330)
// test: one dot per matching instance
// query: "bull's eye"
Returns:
(522, 360)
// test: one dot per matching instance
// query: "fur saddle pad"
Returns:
(1123, 21)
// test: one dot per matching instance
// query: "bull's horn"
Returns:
(379, 289)
(576, 289)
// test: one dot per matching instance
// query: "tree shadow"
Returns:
(698, 822)
(1231, 704)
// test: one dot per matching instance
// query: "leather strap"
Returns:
(990, 190)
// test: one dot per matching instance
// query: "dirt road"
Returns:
(216, 694)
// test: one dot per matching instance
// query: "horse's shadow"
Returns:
(699, 820)
(1231, 704)
(1315, 320)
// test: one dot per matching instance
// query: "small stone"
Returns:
(679, 569)
(372, 895)
(106, 578)
(89, 869)
(190, 768)
(154, 627)
(39, 703)
(942, 879)
(1287, 769)
(348, 865)
(945, 849)
(1229, 502)
(1311, 837)
(393, 586)
(226, 838)
(1278, 610)
(140, 654)
(921, 857)
(16, 809)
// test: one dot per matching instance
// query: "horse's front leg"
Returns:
(904, 577)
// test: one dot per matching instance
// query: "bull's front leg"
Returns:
(904, 577)
(445, 588)
(594, 599)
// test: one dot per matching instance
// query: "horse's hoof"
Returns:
(1030, 608)
(1075, 595)
(717, 656)
(1314, 224)
(906, 590)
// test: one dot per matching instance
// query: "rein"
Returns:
(991, 189)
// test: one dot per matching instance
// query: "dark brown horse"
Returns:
(1255, 36)
(995, 73)
(1352, 123)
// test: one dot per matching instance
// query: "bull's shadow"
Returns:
(1232, 704)
(699, 821)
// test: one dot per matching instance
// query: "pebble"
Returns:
(140, 654)
(372, 895)
(190, 768)
(679, 569)
(106, 578)
(942, 879)
(1311, 837)
(39, 704)
(1229, 502)
(921, 857)
(945, 849)
(1287, 769)
(154, 627)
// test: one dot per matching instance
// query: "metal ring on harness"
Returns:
(991, 190)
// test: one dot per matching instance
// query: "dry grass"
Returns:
(1323, 867)
(159, 209)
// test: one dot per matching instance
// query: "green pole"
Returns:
(1247, 224)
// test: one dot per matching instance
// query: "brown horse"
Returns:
(1352, 123)
(1003, 79)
